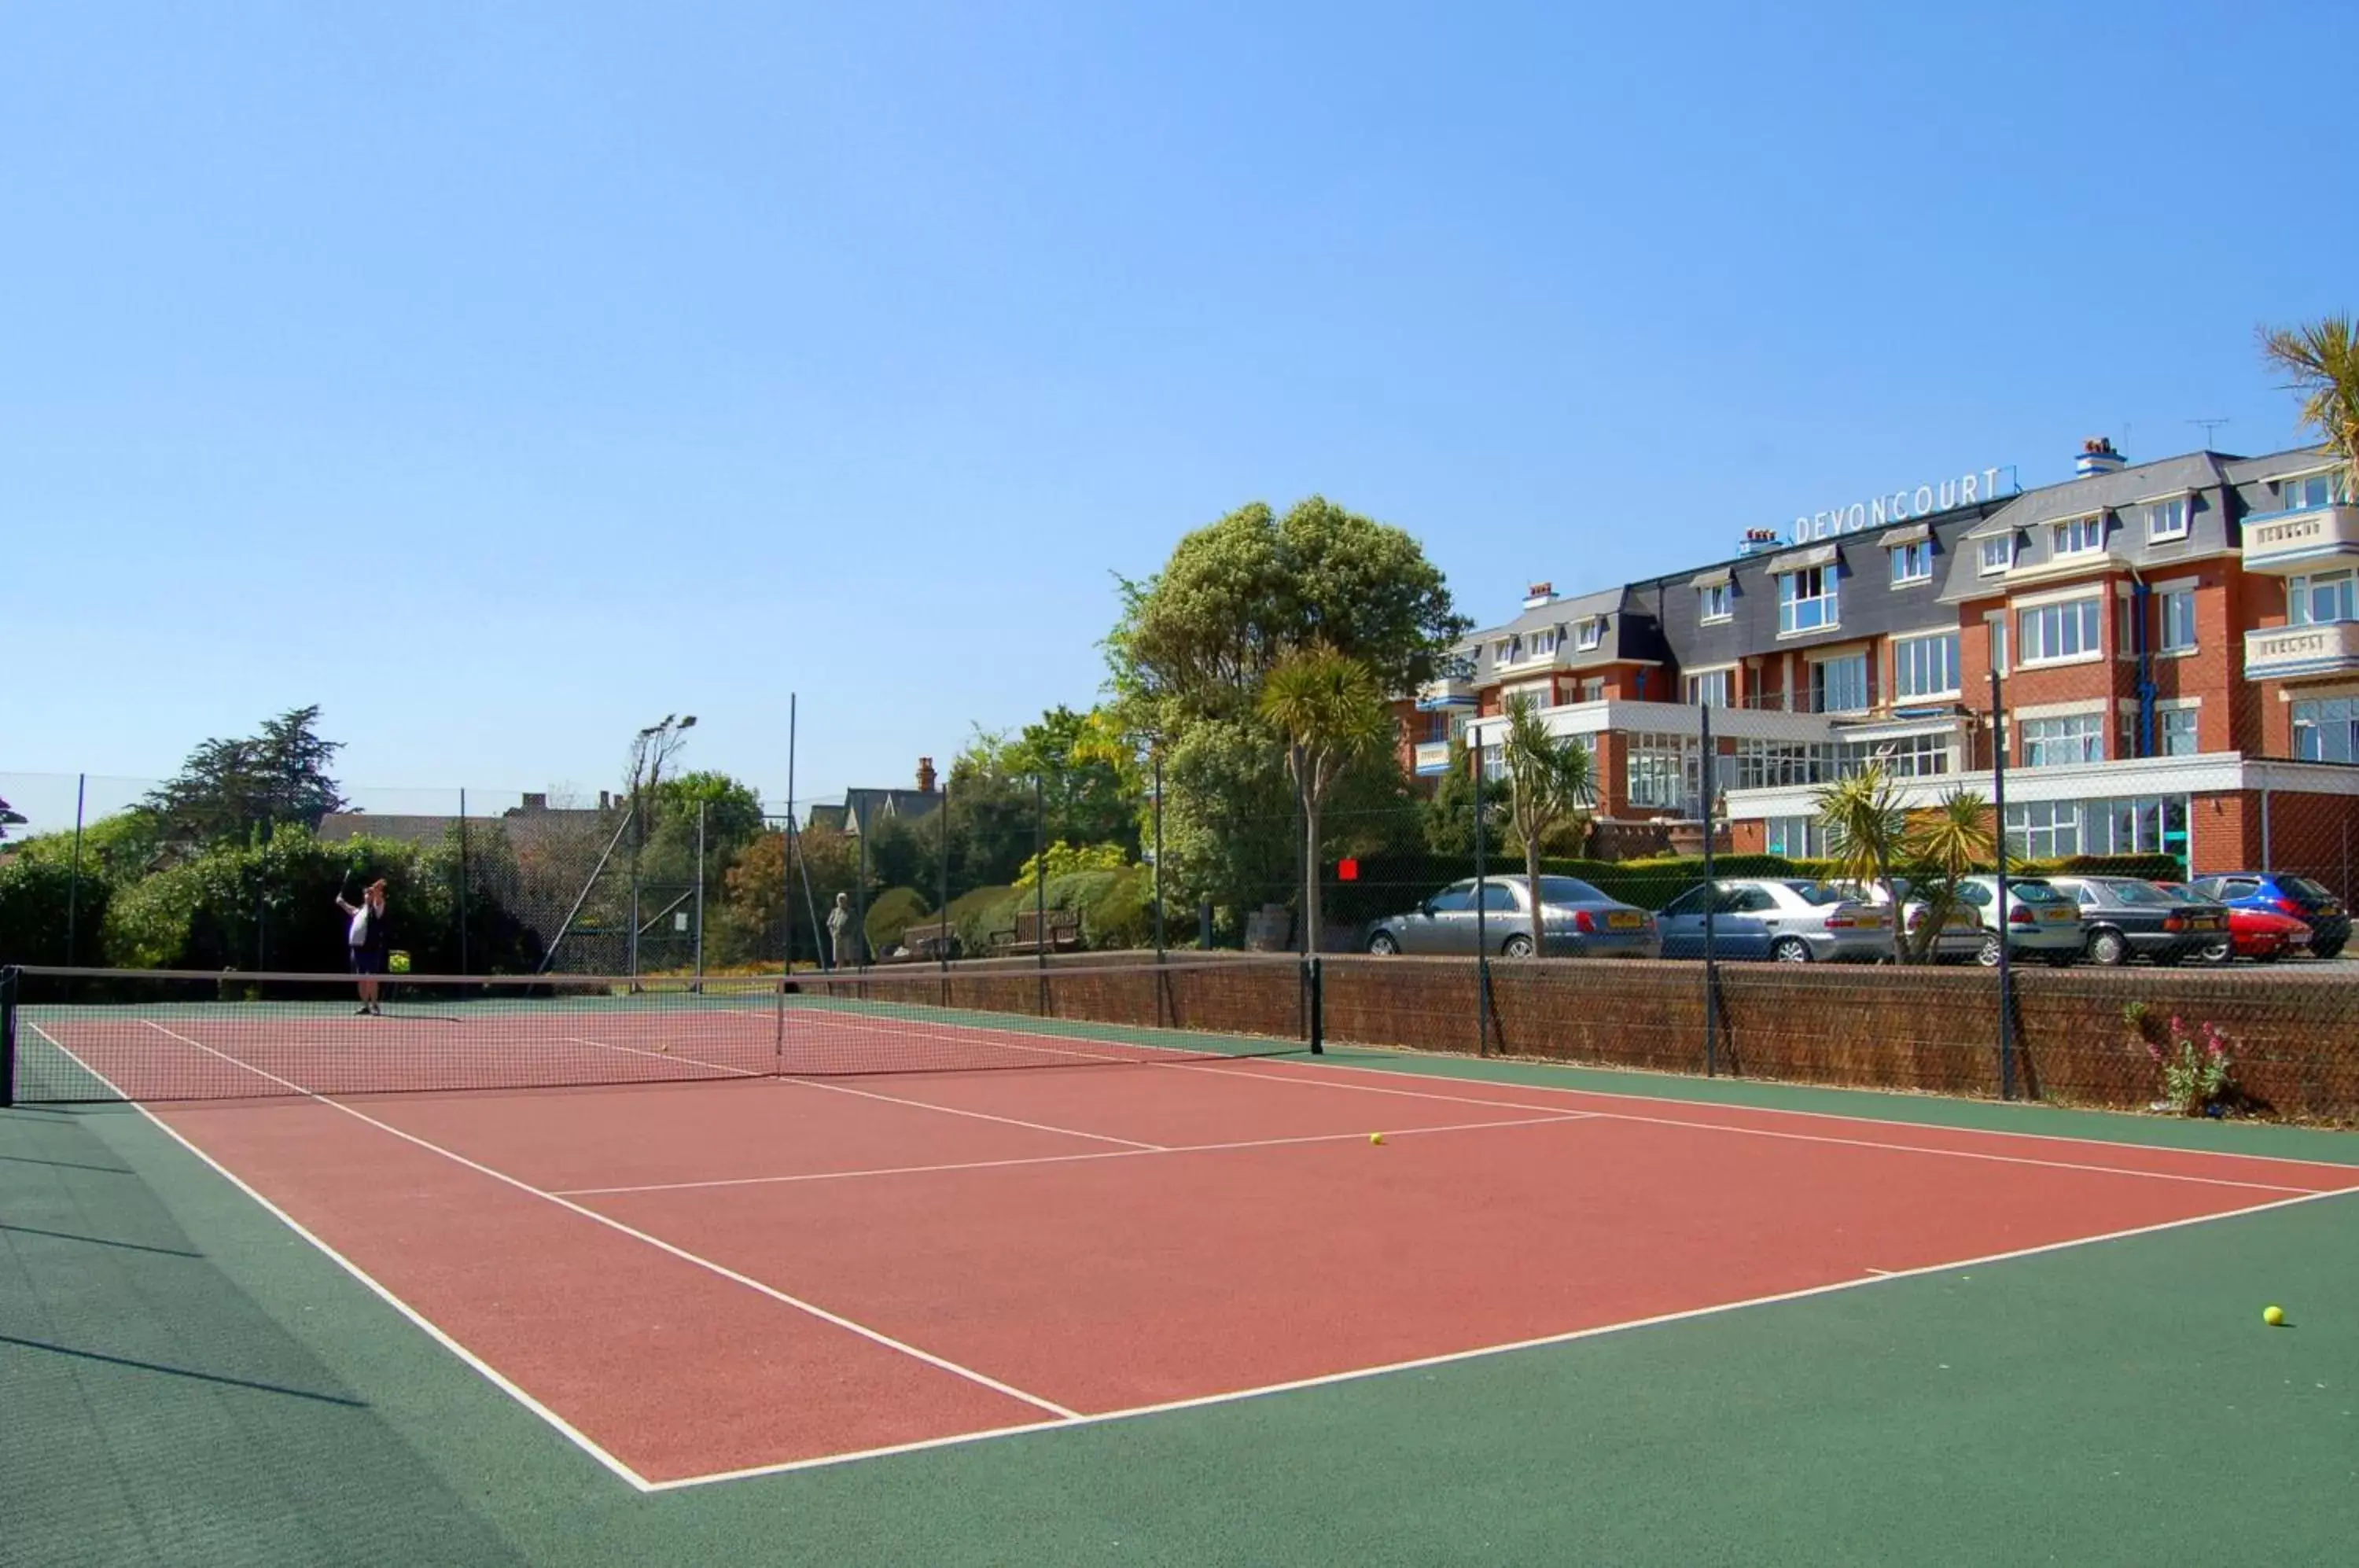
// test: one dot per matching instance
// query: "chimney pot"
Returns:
(925, 776)
(2098, 456)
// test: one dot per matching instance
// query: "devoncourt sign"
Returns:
(1901, 506)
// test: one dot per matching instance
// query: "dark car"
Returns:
(2304, 901)
(2126, 918)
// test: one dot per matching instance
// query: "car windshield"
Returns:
(1818, 893)
(2141, 893)
(1569, 890)
(2033, 893)
(2303, 888)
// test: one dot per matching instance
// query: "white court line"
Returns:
(1198, 1060)
(863, 1330)
(433, 1330)
(1321, 1076)
(1487, 1351)
(1130, 1143)
(1071, 1159)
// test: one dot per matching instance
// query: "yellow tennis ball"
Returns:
(2273, 1315)
(1375, 1137)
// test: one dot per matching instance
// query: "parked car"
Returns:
(2040, 921)
(1790, 919)
(2304, 901)
(2262, 935)
(1962, 928)
(1577, 920)
(2124, 918)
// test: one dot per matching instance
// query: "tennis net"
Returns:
(68, 1035)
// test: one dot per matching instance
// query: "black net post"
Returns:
(1041, 886)
(8, 1037)
(1314, 1006)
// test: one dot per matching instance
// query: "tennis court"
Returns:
(710, 1238)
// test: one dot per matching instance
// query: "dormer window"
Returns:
(1997, 554)
(2166, 519)
(2080, 536)
(1590, 634)
(2306, 492)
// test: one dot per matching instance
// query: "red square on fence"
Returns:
(1347, 871)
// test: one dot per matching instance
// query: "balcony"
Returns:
(2285, 542)
(1435, 696)
(1432, 758)
(2325, 648)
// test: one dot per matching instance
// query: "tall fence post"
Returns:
(1041, 887)
(942, 910)
(462, 882)
(1482, 924)
(859, 893)
(700, 895)
(8, 1037)
(1710, 898)
(786, 850)
(73, 887)
(2006, 966)
(1161, 981)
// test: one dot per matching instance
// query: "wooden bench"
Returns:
(931, 940)
(1063, 931)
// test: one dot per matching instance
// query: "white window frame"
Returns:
(2164, 647)
(2331, 725)
(1900, 644)
(1722, 676)
(1983, 562)
(2084, 732)
(2305, 479)
(1867, 682)
(2076, 537)
(2186, 718)
(1790, 600)
(2089, 621)
(2298, 590)
(1589, 634)
(1912, 562)
(2154, 515)
(1722, 593)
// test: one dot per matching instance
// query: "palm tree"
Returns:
(1550, 780)
(1331, 712)
(1943, 847)
(2320, 360)
(1865, 826)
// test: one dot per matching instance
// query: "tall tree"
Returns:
(1196, 641)
(1090, 776)
(2321, 362)
(1551, 781)
(227, 788)
(1330, 711)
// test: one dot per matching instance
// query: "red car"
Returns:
(2262, 935)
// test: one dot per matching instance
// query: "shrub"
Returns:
(974, 914)
(890, 914)
(2197, 1070)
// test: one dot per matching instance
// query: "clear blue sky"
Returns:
(503, 376)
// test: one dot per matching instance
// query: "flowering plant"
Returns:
(2198, 1072)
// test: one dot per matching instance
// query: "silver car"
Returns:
(2040, 921)
(1790, 919)
(1962, 928)
(1576, 920)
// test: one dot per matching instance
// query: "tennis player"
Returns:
(366, 940)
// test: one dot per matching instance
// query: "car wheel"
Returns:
(2108, 948)
(1383, 946)
(1516, 946)
(2218, 952)
(1987, 954)
(2327, 949)
(1791, 949)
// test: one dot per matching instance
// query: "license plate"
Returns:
(1625, 919)
(2205, 922)
(1876, 920)
(2055, 914)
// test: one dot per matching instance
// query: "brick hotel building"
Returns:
(2178, 643)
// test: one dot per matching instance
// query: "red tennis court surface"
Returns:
(700, 1279)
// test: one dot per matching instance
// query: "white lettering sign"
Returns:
(1903, 506)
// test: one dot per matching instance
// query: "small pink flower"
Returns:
(2178, 1026)
(2216, 1048)
(2153, 1051)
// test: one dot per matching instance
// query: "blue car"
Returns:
(2304, 901)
